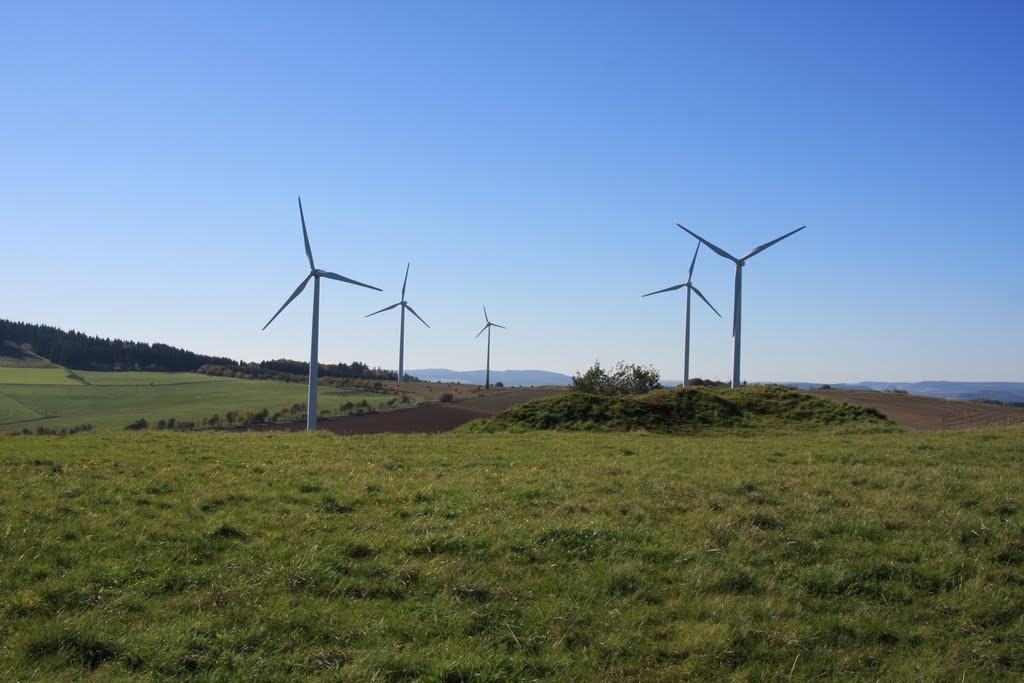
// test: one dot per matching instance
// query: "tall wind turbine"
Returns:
(686, 327)
(401, 335)
(488, 326)
(315, 274)
(740, 262)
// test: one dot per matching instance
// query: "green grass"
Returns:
(26, 376)
(840, 555)
(112, 400)
(680, 411)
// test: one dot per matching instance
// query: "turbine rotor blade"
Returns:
(721, 252)
(406, 279)
(298, 290)
(667, 289)
(342, 278)
(697, 291)
(764, 246)
(383, 309)
(305, 236)
(485, 315)
(482, 331)
(693, 263)
(497, 325)
(409, 308)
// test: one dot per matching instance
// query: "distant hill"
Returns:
(510, 378)
(1004, 392)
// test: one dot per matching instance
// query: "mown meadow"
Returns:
(54, 397)
(857, 553)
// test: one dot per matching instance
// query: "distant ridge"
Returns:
(1004, 392)
(510, 378)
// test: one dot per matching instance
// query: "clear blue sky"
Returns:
(533, 157)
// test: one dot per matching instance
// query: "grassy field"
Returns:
(855, 553)
(34, 397)
(33, 377)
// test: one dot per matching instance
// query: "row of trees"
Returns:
(354, 374)
(83, 352)
(51, 431)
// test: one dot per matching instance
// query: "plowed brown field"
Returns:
(927, 414)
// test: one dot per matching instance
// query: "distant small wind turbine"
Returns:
(740, 262)
(488, 326)
(401, 335)
(315, 274)
(686, 327)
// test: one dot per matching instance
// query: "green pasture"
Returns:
(112, 400)
(851, 553)
(51, 376)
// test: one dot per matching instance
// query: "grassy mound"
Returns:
(680, 410)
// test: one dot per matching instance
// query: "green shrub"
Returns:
(624, 380)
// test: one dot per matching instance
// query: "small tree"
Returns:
(634, 379)
(624, 379)
(593, 381)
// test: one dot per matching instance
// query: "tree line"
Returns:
(298, 371)
(79, 351)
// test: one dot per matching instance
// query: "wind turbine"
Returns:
(315, 274)
(401, 335)
(740, 262)
(686, 327)
(488, 326)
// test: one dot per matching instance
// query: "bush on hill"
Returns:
(625, 379)
(678, 411)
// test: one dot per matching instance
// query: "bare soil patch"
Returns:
(928, 414)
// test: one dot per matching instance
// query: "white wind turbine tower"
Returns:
(401, 335)
(488, 326)
(315, 274)
(740, 262)
(686, 327)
